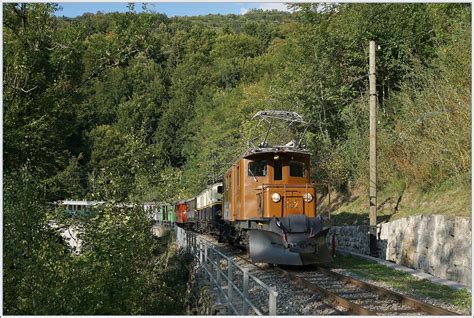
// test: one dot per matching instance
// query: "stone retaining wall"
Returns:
(436, 244)
(352, 238)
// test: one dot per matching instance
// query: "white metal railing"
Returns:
(167, 224)
(233, 283)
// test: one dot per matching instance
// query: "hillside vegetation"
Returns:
(141, 106)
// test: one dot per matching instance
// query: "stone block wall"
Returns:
(436, 244)
(353, 238)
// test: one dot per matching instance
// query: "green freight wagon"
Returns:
(167, 213)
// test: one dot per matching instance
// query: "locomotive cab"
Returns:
(287, 189)
(268, 194)
(269, 184)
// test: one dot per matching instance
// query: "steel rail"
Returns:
(352, 307)
(347, 304)
(407, 300)
(248, 260)
(417, 305)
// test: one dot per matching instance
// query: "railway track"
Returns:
(292, 299)
(361, 298)
(356, 297)
(344, 294)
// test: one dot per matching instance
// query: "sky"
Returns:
(73, 9)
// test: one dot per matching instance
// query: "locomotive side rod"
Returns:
(349, 305)
(417, 304)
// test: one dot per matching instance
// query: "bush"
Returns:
(122, 269)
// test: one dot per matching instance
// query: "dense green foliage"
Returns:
(121, 269)
(138, 107)
(128, 104)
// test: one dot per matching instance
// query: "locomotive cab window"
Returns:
(277, 170)
(297, 169)
(258, 168)
(238, 176)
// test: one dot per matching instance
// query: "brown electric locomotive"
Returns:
(269, 202)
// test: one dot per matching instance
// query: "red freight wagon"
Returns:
(181, 212)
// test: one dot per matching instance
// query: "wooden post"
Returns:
(329, 199)
(373, 145)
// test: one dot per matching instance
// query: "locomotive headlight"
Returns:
(307, 197)
(275, 197)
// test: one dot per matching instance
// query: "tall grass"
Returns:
(424, 129)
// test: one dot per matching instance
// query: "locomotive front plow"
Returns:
(267, 246)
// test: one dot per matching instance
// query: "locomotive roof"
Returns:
(275, 149)
(272, 150)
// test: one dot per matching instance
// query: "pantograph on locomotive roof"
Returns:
(272, 130)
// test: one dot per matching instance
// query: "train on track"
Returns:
(265, 203)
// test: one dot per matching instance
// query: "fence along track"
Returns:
(223, 272)
(416, 306)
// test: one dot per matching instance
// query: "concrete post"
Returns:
(373, 150)
(230, 275)
(218, 272)
(200, 253)
(245, 291)
(272, 304)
